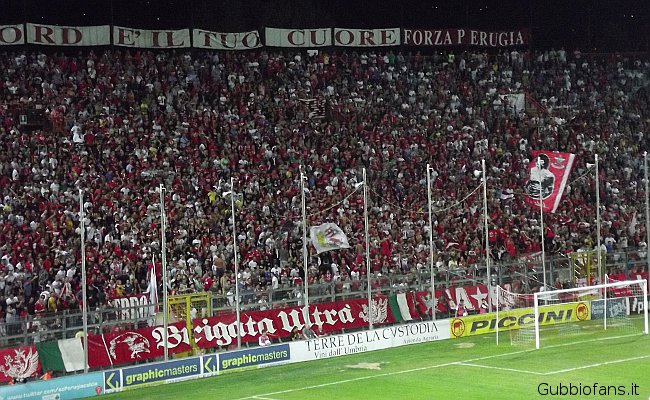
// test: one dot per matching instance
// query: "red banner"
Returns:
(135, 345)
(464, 37)
(19, 363)
(329, 317)
(424, 303)
(473, 296)
(549, 172)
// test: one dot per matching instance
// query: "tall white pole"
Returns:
(234, 243)
(541, 225)
(84, 284)
(487, 240)
(163, 259)
(304, 247)
(647, 208)
(433, 275)
(496, 329)
(605, 305)
(600, 267)
(365, 218)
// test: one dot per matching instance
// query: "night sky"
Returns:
(589, 25)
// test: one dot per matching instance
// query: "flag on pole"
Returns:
(631, 229)
(152, 288)
(549, 172)
(326, 237)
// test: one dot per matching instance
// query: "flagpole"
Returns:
(647, 208)
(365, 218)
(433, 276)
(600, 272)
(487, 240)
(84, 284)
(163, 258)
(541, 213)
(154, 306)
(234, 242)
(304, 246)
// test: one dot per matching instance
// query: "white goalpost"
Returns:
(599, 311)
(514, 313)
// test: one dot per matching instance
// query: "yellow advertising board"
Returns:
(514, 319)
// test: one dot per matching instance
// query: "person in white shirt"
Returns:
(264, 339)
(77, 137)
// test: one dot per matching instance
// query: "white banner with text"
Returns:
(363, 341)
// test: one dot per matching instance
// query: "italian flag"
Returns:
(66, 355)
(403, 307)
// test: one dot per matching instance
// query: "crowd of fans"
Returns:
(121, 123)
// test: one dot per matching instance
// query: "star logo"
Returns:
(479, 297)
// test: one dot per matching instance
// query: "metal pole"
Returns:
(304, 247)
(163, 258)
(600, 270)
(234, 242)
(365, 218)
(433, 276)
(487, 240)
(647, 208)
(84, 284)
(541, 214)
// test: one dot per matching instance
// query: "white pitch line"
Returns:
(362, 378)
(262, 398)
(596, 365)
(500, 368)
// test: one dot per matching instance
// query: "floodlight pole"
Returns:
(541, 214)
(163, 259)
(600, 271)
(234, 242)
(84, 283)
(487, 240)
(304, 247)
(433, 276)
(365, 218)
(647, 208)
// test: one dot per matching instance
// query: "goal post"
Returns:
(187, 307)
(513, 316)
(592, 311)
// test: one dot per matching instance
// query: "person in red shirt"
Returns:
(39, 307)
(461, 310)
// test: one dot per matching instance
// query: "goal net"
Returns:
(590, 313)
(514, 318)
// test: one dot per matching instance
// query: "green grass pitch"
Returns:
(608, 362)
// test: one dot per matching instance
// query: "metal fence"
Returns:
(527, 270)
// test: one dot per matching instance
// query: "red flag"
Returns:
(549, 172)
